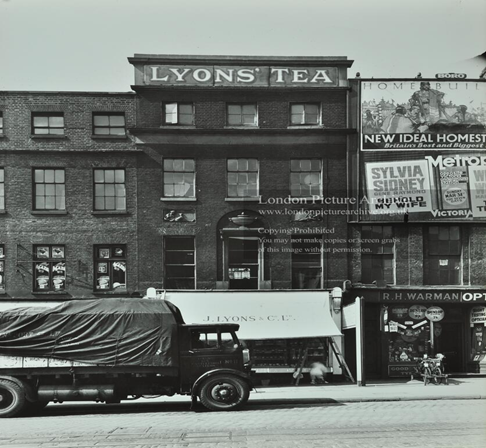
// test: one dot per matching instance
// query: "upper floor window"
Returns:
(2, 189)
(47, 123)
(305, 114)
(377, 254)
(306, 177)
(49, 189)
(49, 268)
(110, 267)
(179, 178)
(178, 113)
(2, 268)
(242, 178)
(110, 190)
(306, 262)
(109, 124)
(442, 258)
(241, 115)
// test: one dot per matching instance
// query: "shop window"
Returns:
(110, 190)
(49, 268)
(178, 113)
(242, 178)
(377, 254)
(49, 189)
(305, 114)
(305, 177)
(47, 123)
(180, 263)
(306, 262)
(2, 189)
(109, 124)
(2, 268)
(241, 115)
(110, 268)
(179, 178)
(443, 251)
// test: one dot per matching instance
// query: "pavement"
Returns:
(468, 388)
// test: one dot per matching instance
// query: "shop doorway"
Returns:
(450, 342)
(244, 262)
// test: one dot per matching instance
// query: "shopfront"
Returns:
(417, 322)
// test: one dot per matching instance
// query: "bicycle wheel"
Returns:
(437, 375)
(427, 375)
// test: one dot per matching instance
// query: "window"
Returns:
(110, 190)
(178, 113)
(245, 262)
(242, 178)
(305, 114)
(2, 189)
(242, 115)
(109, 124)
(443, 250)
(179, 178)
(1, 122)
(47, 123)
(306, 262)
(49, 189)
(49, 268)
(377, 254)
(305, 177)
(180, 263)
(111, 268)
(2, 268)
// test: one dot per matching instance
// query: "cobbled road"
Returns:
(436, 423)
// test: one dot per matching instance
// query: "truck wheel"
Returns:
(224, 393)
(12, 398)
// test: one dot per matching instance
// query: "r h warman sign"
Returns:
(251, 76)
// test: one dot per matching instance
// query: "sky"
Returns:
(83, 45)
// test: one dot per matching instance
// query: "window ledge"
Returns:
(47, 136)
(111, 293)
(50, 293)
(48, 212)
(253, 126)
(243, 199)
(2, 135)
(174, 199)
(109, 137)
(109, 212)
(3, 212)
(178, 126)
(306, 126)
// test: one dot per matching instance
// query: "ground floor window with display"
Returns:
(411, 331)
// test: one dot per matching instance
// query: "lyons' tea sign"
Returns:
(262, 76)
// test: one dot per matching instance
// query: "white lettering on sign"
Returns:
(478, 315)
(263, 76)
(469, 296)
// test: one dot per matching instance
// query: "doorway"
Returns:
(244, 267)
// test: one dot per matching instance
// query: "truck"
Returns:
(108, 350)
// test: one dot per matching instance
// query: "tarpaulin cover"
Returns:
(128, 331)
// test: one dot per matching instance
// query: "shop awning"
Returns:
(261, 314)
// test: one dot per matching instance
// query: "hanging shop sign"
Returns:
(417, 311)
(251, 76)
(434, 314)
(411, 114)
(478, 316)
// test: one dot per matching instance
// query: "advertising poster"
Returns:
(449, 185)
(423, 114)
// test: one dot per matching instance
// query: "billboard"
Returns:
(447, 185)
(423, 114)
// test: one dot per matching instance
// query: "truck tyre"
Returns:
(224, 393)
(12, 398)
